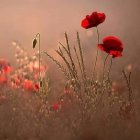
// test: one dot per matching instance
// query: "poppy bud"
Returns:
(34, 43)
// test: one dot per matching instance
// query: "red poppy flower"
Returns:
(112, 45)
(7, 69)
(17, 81)
(93, 20)
(28, 85)
(3, 79)
(56, 106)
(36, 87)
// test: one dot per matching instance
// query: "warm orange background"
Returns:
(22, 19)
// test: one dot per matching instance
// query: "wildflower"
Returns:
(56, 106)
(17, 82)
(7, 69)
(93, 20)
(36, 87)
(3, 79)
(112, 45)
(28, 85)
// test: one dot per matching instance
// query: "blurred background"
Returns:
(22, 19)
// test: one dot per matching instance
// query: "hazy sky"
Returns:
(22, 19)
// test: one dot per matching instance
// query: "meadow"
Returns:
(84, 104)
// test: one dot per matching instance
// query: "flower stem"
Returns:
(96, 59)
(104, 66)
(109, 70)
(38, 35)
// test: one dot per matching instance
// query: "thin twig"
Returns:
(78, 59)
(67, 41)
(59, 65)
(64, 47)
(66, 62)
(68, 51)
(128, 84)
(81, 55)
